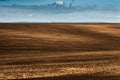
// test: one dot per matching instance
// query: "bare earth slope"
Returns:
(60, 51)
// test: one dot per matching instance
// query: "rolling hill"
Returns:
(60, 51)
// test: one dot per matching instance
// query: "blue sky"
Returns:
(77, 2)
(81, 11)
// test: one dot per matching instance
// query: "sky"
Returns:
(53, 11)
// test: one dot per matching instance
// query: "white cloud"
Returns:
(30, 15)
(59, 2)
(110, 16)
(118, 16)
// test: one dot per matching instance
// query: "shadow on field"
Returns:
(77, 77)
(62, 37)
